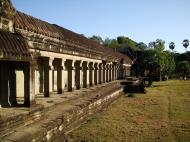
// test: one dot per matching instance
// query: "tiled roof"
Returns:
(13, 45)
(26, 22)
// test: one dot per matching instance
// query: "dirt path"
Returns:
(162, 115)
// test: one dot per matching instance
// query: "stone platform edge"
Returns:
(65, 121)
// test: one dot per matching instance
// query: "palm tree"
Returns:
(172, 45)
(185, 43)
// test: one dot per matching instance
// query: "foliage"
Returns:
(182, 57)
(168, 63)
(111, 43)
(97, 38)
(121, 40)
(183, 67)
(155, 58)
(120, 44)
(142, 46)
(185, 43)
(159, 44)
(172, 45)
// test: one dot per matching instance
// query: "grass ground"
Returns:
(161, 115)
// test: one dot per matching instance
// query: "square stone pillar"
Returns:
(87, 72)
(111, 73)
(37, 81)
(29, 83)
(48, 82)
(97, 73)
(115, 72)
(54, 79)
(92, 74)
(116, 77)
(81, 75)
(4, 85)
(106, 72)
(64, 74)
(73, 75)
(51, 68)
(103, 73)
(100, 75)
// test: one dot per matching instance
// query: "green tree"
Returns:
(97, 38)
(183, 68)
(107, 42)
(168, 63)
(161, 62)
(159, 44)
(142, 46)
(121, 40)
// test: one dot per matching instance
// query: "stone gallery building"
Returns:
(37, 57)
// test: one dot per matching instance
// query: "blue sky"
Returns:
(141, 20)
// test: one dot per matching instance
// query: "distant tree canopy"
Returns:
(151, 57)
(142, 46)
(155, 60)
(159, 44)
(183, 63)
(97, 39)
(183, 68)
(120, 42)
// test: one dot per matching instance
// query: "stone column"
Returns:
(97, 70)
(59, 76)
(73, 74)
(14, 87)
(107, 72)
(113, 70)
(64, 74)
(110, 72)
(37, 79)
(42, 67)
(91, 73)
(84, 77)
(33, 65)
(51, 68)
(104, 73)
(81, 74)
(4, 85)
(100, 74)
(69, 66)
(116, 75)
(87, 75)
(95, 74)
(48, 67)
(27, 82)
(116, 72)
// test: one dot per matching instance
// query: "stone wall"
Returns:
(61, 121)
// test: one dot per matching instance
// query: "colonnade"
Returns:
(61, 74)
